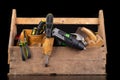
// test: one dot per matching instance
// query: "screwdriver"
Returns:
(41, 27)
(48, 31)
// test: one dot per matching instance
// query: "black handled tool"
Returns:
(49, 25)
(68, 39)
(48, 31)
(40, 27)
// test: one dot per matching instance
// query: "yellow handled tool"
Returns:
(89, 33)
(93, 39)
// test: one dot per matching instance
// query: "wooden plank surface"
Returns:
(63, 77)
(101, 28)
(21, 20)
(13, 31)
(64, 60)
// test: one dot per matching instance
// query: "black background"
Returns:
(59, 9)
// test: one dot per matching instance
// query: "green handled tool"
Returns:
(25, 52)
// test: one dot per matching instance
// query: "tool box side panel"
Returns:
(101, 28)
(13, 32)
(64, 60)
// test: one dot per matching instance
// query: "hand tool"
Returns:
(49, 40)
(93, 39)
(25, 52)
(68, 39)
(89, 33)
(79, 37)
(34, 31)
(49, 25)
(41, 27)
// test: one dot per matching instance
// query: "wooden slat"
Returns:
(63, 77)
(63, 60)
(101, 28)
(13, 28)
(13, 31)
(21, 20)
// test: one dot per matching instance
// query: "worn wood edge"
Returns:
(101, 28)
(38, 74)
(21, 20)
(58, 77)
(12, 32)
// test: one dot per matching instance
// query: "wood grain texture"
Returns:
(13, 31)
(63, 77)
(63, 60)
(101, 28)
(21, 20)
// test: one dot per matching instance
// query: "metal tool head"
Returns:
(78, 31)
(25, 36)
(46, 60)
(79, 38)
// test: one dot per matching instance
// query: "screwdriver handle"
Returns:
(40, 28)
(49, 25)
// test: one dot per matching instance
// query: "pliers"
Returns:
(25, 52)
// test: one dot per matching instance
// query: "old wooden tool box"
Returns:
(64, 60)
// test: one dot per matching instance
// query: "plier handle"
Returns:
(25, 52)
